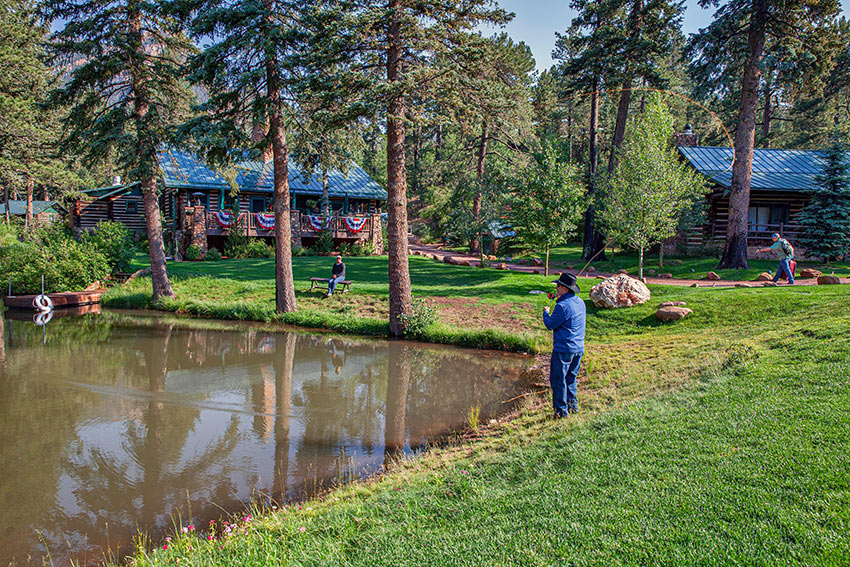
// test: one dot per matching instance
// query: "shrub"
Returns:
(357, 249)
(66, 264)
(345, 249)
(421, 317)
(9, 234)
(324, 242)
(368, 249)
(213, 255)
(193, 253)
(257, 249)
(237, 240)
(114, 240)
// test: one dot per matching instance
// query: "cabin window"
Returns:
(131, 207)
(260, 204)
(228, 202)
(767, 217)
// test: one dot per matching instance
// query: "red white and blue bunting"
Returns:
(319, 223)
(354, 224)
(266, 222)
(226, 220)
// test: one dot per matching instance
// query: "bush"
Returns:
(67, 265)
(9, 234)
(345, 249)
(114, 240)
(421, 317)
(193, 253)
(324, 243)
(237, 240)
(257, 249)
(213, 255)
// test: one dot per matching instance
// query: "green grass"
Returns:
(718, 440)
(681, 267)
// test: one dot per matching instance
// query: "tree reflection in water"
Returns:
(121, 421)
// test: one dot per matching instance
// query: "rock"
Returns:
(809, 273)
(828, 280)
(694, 285)
(139, 273)
(666, 276)
(447, 259)
(466, 263)
(743, 285)
(712, 276)
(771, 283)
(522, 261)
(619, 291)
(601, 278)
(591, 269)
(651, 272)
(622, 271)
(672, 313)
(501, 266)
(536, 262)
(95, 286)
(673, 304)
(764, 277)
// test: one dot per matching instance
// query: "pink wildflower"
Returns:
(209, 537)
(165, 546)
(302, 529)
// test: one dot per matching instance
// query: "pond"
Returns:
(115, 422)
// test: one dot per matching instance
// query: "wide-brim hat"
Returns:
(568, 281)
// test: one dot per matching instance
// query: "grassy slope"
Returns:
(719, 440)
(686, 267)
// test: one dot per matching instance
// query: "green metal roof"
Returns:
(19, 207)
(773, 169)
(112, 190)
(182, 170)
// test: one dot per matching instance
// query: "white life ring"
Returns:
(42, 302)
(42, 318)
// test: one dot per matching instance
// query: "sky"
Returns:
(536, 22)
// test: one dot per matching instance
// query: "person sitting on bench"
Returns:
(337, 275)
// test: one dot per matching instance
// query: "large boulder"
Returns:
(672, 313)
(809, 274)
(501, 266)
(828, 280)
(764, 277)
(712, 276)
(619, 291)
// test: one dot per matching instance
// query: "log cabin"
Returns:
(43, 212)
(782, 182)
(117, 202)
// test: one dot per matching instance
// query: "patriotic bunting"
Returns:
(319, 223)
(354, 224)
(266, 222)
(226, 220)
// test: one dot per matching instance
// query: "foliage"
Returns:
(67, 265)
(237, 240)
(651, 187)
(324, 242)
(193, 253)
(826, 217)
(549, 201)
(114, 240)
(9, 233)
(420, 318)
(212, 255)
(251, 248)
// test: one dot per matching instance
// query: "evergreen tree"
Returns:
(124, 96)
(795, 30)
(401, 39)
(248, 70)
(826, 218)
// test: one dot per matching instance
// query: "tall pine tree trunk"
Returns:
(767, 114)
(475, 243)
(326, 200)
(438, 143)
(30, 189)
(284, 284)
(399, 275)
(147, 159)
(593, 242)
(620, 124)
(395, 426)
(735, 251)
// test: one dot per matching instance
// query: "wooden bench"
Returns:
(322, 283)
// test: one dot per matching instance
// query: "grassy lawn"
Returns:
(717, 440)
(682, 267)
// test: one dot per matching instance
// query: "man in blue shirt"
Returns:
(567, 324)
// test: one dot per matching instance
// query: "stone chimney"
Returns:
(687, 137)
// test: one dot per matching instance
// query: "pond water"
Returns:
(115, 422)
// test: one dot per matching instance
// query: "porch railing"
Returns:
(298, 222)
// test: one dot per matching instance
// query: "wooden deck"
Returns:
(60, 300)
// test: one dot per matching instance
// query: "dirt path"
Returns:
(463, 259)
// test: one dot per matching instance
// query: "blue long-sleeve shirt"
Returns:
(567, 323)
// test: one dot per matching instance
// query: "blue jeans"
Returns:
(563, 369)
(333, 283)
(784, 267)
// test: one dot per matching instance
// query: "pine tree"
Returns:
(826, 218)
(125, 95)
(248, 70)
(735, 44)
(386, 52)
